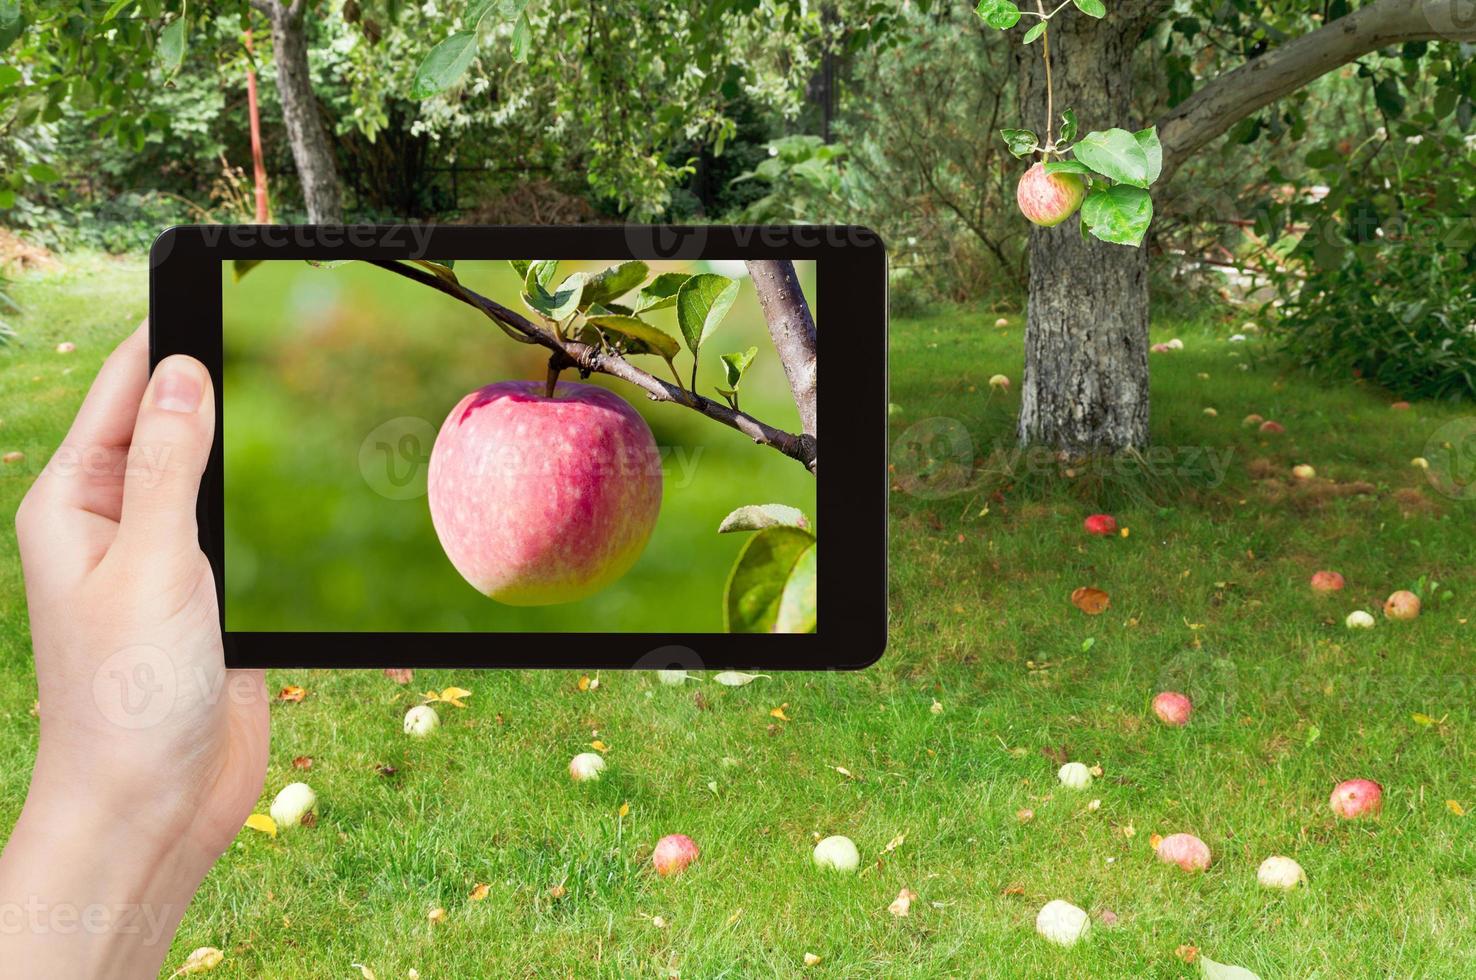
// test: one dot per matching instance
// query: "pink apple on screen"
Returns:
(541, 500)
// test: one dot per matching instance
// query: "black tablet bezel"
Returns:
(851, 283)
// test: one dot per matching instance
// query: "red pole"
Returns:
(263, 211)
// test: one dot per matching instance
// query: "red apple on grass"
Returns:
(1327, 582)
(540, 500)
(673, 853)
(1355, 798)
(1173, 708)
(1185, 850)
(1049, 199)
(1101, 525)
(1402, 605)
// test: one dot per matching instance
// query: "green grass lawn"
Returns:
(992, 678)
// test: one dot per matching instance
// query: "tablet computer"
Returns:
(576, 447)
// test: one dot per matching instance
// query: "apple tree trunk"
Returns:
(312, 153)
(1086, 339)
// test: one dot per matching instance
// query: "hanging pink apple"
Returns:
(1185, 850)
(1173, 708)
(1049, 199)
(1354, 798)
(539, 500)
(1102, 525)
(1403, 606)
(673, 853)
(1327, 582)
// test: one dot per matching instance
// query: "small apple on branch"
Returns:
(1109, 178)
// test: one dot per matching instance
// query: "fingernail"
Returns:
(178, 387)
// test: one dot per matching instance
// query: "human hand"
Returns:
(151, 753)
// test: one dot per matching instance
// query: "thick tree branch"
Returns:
(792, 328)
(1231, 97)
(593, 360)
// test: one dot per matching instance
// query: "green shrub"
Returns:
(1383, 284)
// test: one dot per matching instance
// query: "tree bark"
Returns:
(1086, 337)
(792, 329)
(312, 152)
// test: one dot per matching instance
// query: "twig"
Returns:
(593, 360)
(792, 329)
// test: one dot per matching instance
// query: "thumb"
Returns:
(171, 444)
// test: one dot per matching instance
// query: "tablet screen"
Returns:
(393, 462)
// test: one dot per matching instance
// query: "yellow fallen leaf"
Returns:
(1126, 532)
(453, 696)
(1455, 808)
(895, 843)
(811, 959)
(1422, 719)
(584, 682)
(291, 693)
(263, 823)
(625, 809)
(479, 892)
(937, 708)
(203, 959)
(901, 906)
(737, 914)
(599, 746)
(840, 769)
(364, 971)
(779, 713)
(557, 891)
(436, 915)
(1093, 602)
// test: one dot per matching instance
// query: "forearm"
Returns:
(84, 894)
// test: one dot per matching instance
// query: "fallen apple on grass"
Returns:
(1272, 428)
(673, 853)
(1074, 775)
(1304, 472)
(1185, 850)
(295, 801)
(1101, 525)
(1173, 708)
(837, 853)
(1280, 872)
(421, 720)
(1402, 606)
(1360, 620)
(1354, 798)
(586, 767)
(1327, 582)
(540, 500)
(1253, 419)
(1062, 923)
(1001, 322)
(1049, 199)
(999, 383)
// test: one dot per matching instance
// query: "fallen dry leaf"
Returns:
(1455, 807)
(901, 906)
(1014, 890)
(202, 959)
(811, 959)
(451, 696)
(263, 823)
(1187, 953)
(436, 915)
(557, 891)
(400, 675)
(625, 809)
(364, 971)
(779, 712)
(937, 707)
(895, 843)
(479, 891)
(584, 683)
(599, 746)
(1025, 815)
(291, 693)
(302, 762)
(1093, 602)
